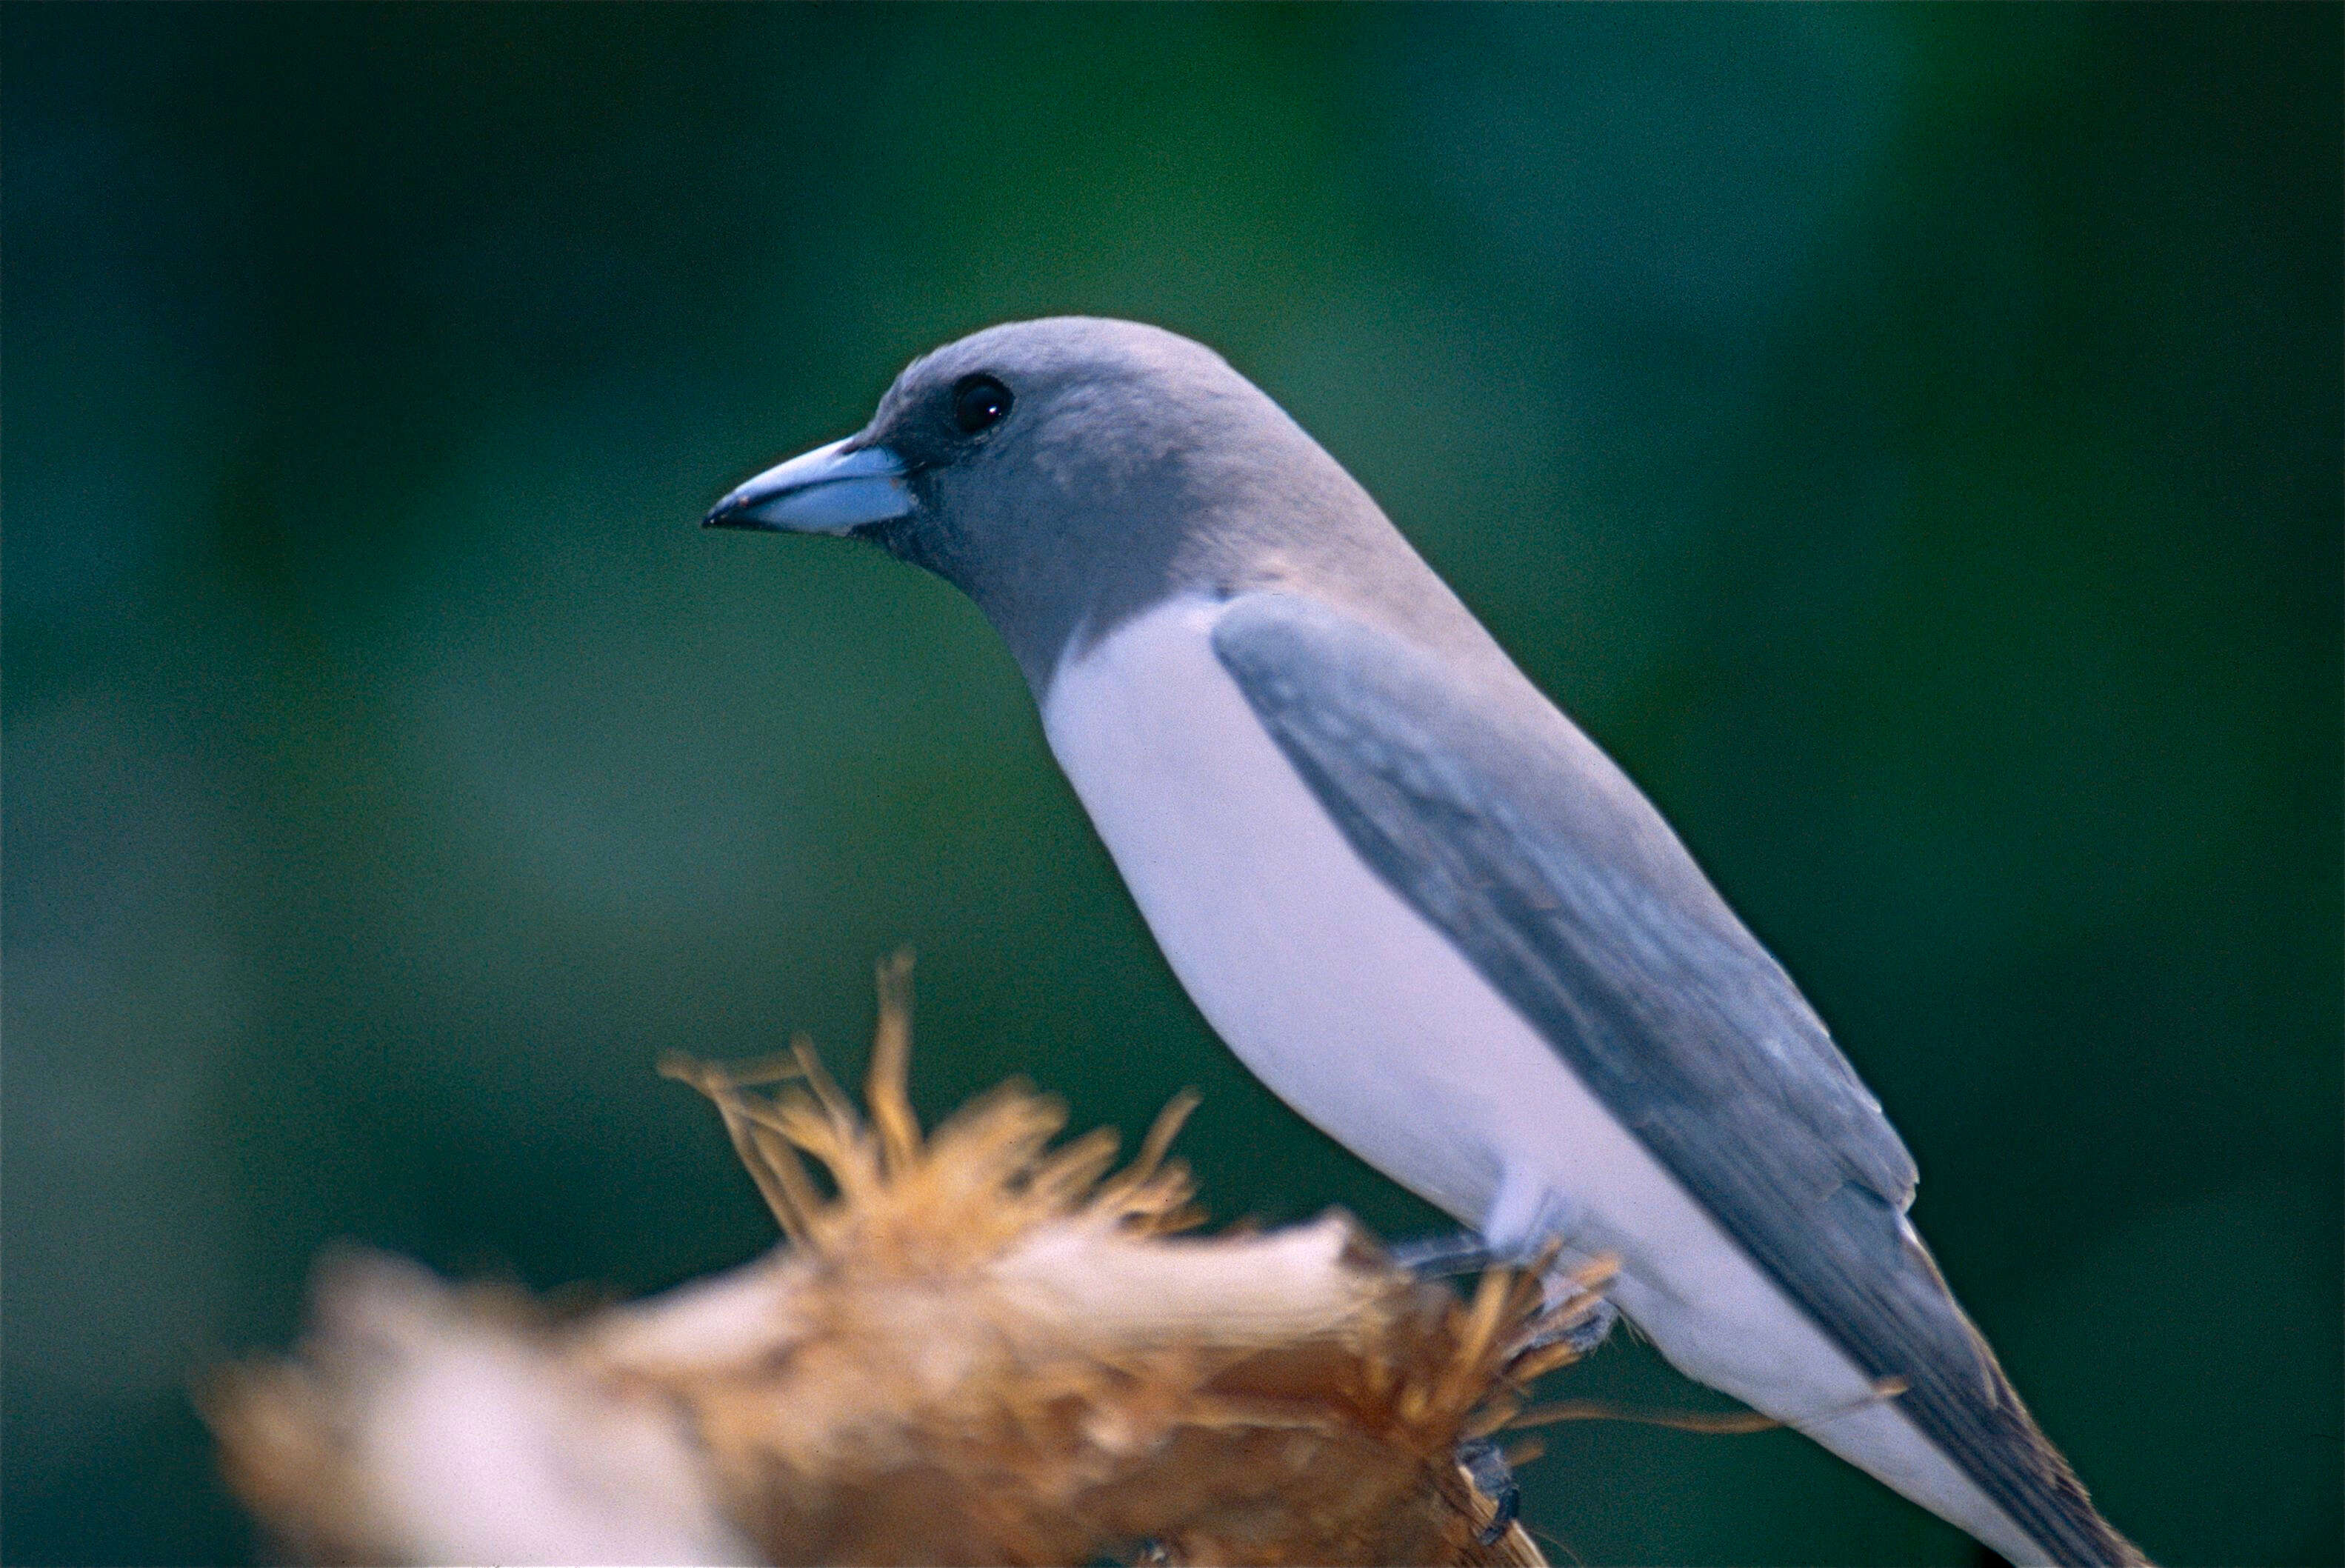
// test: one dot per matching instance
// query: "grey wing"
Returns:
(1508, 829)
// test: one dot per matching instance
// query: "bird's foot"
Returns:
(1465, 1252)
(1494, 1478)
(1583, 1329)
(1444, 1257)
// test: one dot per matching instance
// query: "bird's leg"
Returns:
(1466, 1252)
(1585, 1329)
(1495, 1478)
(1444, 1257)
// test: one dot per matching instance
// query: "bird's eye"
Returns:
(979, 401)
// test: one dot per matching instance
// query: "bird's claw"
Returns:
(1486, 1467)
(1587, 1327)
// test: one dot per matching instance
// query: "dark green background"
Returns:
(1909, 439)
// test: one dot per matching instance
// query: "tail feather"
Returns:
(1958, 1397)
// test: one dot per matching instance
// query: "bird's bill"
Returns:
(832, 489)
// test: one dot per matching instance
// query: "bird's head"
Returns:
(1062, 473)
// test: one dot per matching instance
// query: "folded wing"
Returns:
(1513, 834)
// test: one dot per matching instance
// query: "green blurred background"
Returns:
(1909, 439)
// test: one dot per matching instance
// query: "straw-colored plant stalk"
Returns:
(975, 1347)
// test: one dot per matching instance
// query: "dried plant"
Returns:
(974, 1347)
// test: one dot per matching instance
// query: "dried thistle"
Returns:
(975, 1347)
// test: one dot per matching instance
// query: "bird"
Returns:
(1419, 902)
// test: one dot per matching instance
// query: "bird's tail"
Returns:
(1960, 1399)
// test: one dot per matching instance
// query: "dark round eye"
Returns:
(978, 402)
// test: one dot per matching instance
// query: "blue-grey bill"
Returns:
(830, 490)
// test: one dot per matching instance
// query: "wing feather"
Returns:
(1511, 833)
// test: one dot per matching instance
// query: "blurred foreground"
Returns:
(981, 1349)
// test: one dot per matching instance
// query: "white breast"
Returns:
(1334, 992)
(1363, 1017)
